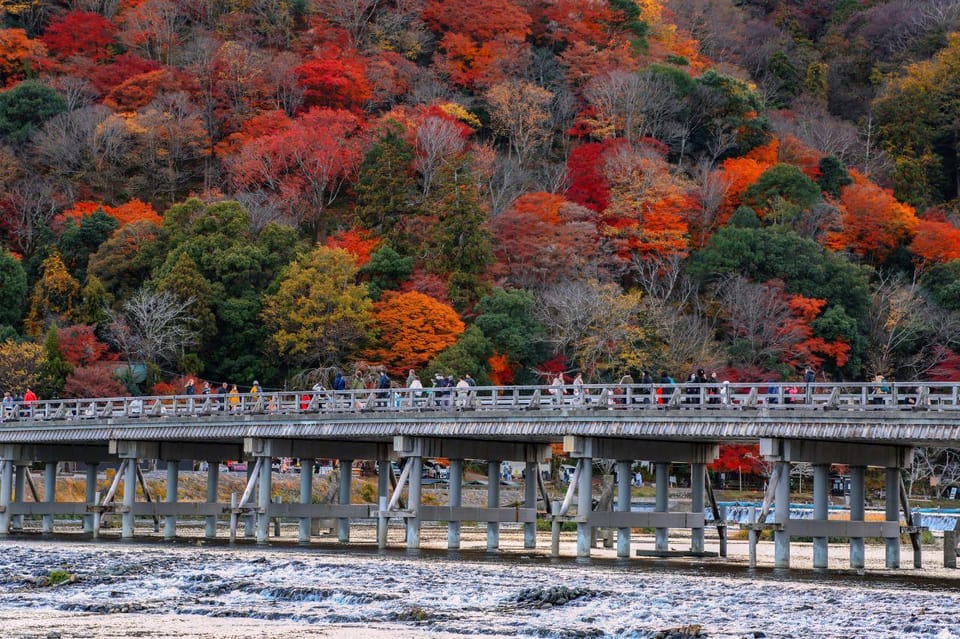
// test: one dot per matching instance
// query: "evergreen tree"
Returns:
(54, 369)
(13, 288)
(386, 188)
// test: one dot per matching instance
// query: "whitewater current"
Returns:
(186, 589)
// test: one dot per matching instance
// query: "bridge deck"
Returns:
(903, 414)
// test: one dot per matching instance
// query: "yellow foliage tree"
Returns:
(20, 364)
(54, 296)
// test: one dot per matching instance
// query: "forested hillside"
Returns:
(276, 189)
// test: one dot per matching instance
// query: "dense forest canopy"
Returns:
(276, 190)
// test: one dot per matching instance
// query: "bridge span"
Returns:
(857, 425)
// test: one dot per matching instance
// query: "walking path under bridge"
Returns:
(858, 425)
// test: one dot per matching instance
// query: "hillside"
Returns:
(275, 191)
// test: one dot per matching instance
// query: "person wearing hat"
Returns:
(255, 390)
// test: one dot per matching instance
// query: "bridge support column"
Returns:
(19, 488)
(306, 497)
(781, 538)
(6, 487)
(413, 501)
(584, 505)
(493, 501)
(697, 488)
(384, 471)
(530, 472)
(623, 506)
(821, 492)
(213, 481)
(173, 485)
(662, 471)
(128, 519)
(857, 512)
(893, 514)
(250, 517)
(91, 494)
(346, 480)
(456, 500)
(263, 500)
(49, 493)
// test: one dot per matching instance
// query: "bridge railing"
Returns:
(618, 397)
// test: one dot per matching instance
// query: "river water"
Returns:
(155, 589)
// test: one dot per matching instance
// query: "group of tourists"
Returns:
(17, 405)
(225, 395)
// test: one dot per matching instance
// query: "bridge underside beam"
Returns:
(130, 449)
(56, 452)
(406, 446)
(649, 450)
(315, 448)
(848, 453)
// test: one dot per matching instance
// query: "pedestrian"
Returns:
(463, 392)
(189, 388)
(7, 405)
(578, 395)
(556, 388)
(205, 389)
(233, 397)
(339, 383)
(383, 385)
(29, 398)
(222, 395)
(412, 375)
(470, 380)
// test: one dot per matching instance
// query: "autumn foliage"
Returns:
(413, 328)
(873, 221)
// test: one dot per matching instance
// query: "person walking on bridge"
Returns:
(29, 398)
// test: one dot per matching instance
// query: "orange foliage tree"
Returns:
(132, 211)
(647, 204)
(542, 239)
(808, 349)
(483, 41)
(17, 53)
(357, 242)
(413, 329)
(936, 241)
(873, 222)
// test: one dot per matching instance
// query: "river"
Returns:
(186, 589)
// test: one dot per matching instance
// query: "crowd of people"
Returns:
(447, 391)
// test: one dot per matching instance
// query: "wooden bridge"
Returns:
(858, 425)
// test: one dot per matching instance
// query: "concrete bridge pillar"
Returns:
(697, 489)
(213, 481)
(128, 518)
(456, 500)
(781, 538)
(306, 497)
(6, 487)
(893, 514)
(413, 501)
(584, 505)
(251, 516)
(173, 485)
(346, 482)
(531, 470)
(384, 470)
(493, 501)
(19, 489)
(821, 495)
(263, 499)
(623, 505)
(857, 512)
(91, 494)
(49, 493)
(662, 472)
